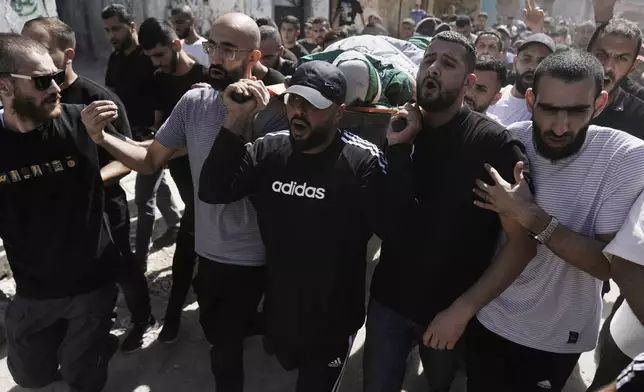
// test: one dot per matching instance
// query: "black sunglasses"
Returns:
(43, 82)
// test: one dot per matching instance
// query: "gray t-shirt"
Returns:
(554, 306)
(226, 233)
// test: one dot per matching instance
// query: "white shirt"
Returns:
(196, 51)
(626, 329)
(553, 306)
(510, 109)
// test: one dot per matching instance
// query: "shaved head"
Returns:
(236, 28)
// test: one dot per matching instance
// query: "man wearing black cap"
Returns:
(512, 107)
(314, 189)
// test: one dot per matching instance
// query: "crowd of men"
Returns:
(505, 202)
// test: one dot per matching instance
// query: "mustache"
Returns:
(529, 73)
(300, 118)
(51, 98)
(218, 68)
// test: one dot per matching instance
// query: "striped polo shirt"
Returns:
(226, 233)
(553, 306)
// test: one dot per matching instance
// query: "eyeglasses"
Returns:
(42, 82)
(230, 53)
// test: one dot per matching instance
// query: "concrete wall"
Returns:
(16, 12)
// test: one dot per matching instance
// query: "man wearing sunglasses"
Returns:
(230, 277)
(53, 227)
(60, 40)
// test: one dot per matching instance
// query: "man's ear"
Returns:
(133, 27)
(530, 99)
(281, 51)
(69, 55)
(6, 89)
(176, 45)
(496, 98)
(253, 59)
(470, 81)
(338, 115)
(600, 103)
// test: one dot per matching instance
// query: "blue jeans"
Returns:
(390, 338)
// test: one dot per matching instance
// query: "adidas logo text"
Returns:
(300, 190)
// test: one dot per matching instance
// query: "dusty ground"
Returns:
(184, 365)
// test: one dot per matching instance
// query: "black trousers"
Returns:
(228, 296)
(497, 364)
(611, 359)
(131, 277)
(69, 332)
(183, 264)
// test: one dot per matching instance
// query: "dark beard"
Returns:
(319, 135)
(553, 154)
(444, 100)
(127, 42)
(228, 78)
(520, 86)
(27, 109)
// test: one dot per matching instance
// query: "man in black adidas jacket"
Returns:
(314, 188)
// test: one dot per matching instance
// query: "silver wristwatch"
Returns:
(544, 236)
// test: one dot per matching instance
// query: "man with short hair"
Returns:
(464, 26)
(512, 106)
(429, 283)
(309, 41)
(319, 28)
(616, 45)
(407, 29)
(314, 187)
(185, 25)
(481, 21)
(586, 179)
(289, 31)
(582, 35)
(53, 227)
(130, 74)
(272, 51)
(60, 40)
(177, 72)
(230, 277)
(490, 43)
(490, 78)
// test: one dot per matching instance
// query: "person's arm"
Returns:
(581, 251)
(230, 170)
(113, 172)
(604, 10)
(629, 277)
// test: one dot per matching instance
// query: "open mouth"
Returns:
(607, 81)
(528, 78)
(299, 125)
(431, 85)
(216, 73)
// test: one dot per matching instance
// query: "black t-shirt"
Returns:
(170, 89)
(348, 10)
(51, 209)
(445, 242)
(626, 113)
(131, 77)
(299, 50)
(84, 91)
(308, 46)
(287, 68)
(288, 55)
(316, 213)
(633, 88)
(273, 77)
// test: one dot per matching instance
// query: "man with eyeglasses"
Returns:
(230, 277)
(60, 40)
(53, 227)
